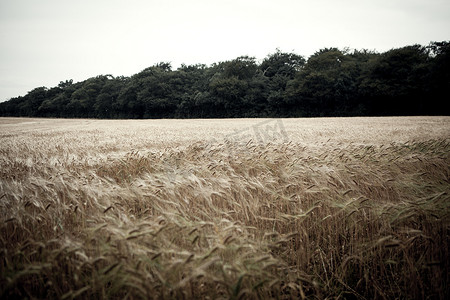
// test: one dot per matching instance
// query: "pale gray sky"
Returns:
(47, 41)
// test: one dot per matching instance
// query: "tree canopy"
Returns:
(412, 80)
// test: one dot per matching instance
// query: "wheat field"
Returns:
(349, 208)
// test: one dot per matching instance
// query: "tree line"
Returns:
(411, 80)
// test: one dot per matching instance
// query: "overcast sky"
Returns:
(44, 42)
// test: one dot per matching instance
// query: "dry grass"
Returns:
(337, 208)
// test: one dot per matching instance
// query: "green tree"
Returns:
(439, 78)
(229, 86)
(332, 82)
(279, 68)
(320, 85)
(156, 92)
(282, 64)
(191, 84)
(398, 81)
(106, 100)
(30, 104)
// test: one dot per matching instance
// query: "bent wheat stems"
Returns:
(347, 208)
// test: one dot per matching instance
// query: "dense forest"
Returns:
(412, 80)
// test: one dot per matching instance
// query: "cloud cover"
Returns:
(44, 42)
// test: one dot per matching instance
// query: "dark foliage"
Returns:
(412, 80)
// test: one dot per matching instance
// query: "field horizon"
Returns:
(350, 208)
